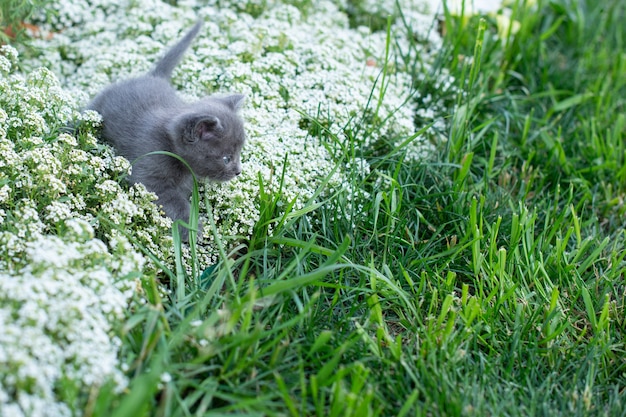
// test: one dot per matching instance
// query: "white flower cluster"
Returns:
(61, 176)
(57, 306)
(62, 290)
(309, 78)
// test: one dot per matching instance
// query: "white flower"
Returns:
(80, 228)
(56, 324)
(52, 251)
(58, 211)
(5, 193)
(109, 188)
(8, 58)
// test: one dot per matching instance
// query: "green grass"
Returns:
(488, 280)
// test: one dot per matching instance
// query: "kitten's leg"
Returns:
(176, 208)
(173, 194)
(185, 191)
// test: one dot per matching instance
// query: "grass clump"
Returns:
(13, 17)
(483, 277)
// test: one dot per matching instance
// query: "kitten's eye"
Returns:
(227, 159)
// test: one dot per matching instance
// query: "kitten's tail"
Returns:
(165, 66)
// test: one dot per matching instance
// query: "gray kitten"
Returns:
(145, 114)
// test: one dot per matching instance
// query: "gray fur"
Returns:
(145, 114)
(166, 65)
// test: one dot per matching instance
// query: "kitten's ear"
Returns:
(205, 128)
(234, 101)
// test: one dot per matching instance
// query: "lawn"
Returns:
(431, 218)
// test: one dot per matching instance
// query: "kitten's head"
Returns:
(209, 135)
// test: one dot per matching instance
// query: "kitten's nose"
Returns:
(238, 170)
